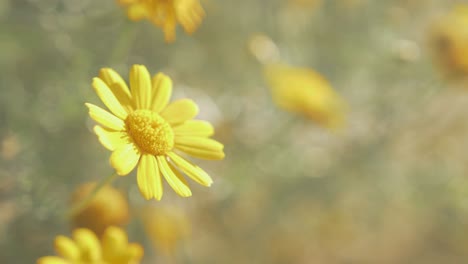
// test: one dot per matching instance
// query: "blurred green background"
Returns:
(391, 187)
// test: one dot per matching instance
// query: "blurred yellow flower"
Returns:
(109, 207)
(166, 14)
(303, 91)
(145, 130)
(86, 248)
(166, 227)
(449, 39)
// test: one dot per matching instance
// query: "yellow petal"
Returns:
(140, 84)
(169, 27)
(180, 111)
(149, 178)
(111, 139)
(88, 243)
(202, 154)
(194, 172)
(105, 118)
(118, 86)
(108, 98)
(196, 128)
(199, 142)
(66, 248)
(173, 177)
(134, 252)
(137, 12)
(125, 158)
(162, 91)
(114, 241)
(52, 260)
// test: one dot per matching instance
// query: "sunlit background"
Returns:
(390, 185)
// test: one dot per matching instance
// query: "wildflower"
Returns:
(109, 207)
(166, 227)
(304, 91)
(85, 247)
(449, 40)
(144, 130)
(166, 14)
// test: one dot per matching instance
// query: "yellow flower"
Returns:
(166, 227)
(85, 248)
(304, 91)
(166, 14)
(449, 38)
(144, 130)
(109, 207)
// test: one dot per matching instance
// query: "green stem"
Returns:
(85, 202)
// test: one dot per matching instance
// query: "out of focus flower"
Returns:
(145, 130)
(167, 14)
(263, 48)
(109, 207)
(306, 92)
(166, 227)
(449, 39)
(85, 247)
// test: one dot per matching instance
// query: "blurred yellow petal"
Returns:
(180, 111)
(105, 118)
(135, 252)
(66, 248)
(137, 12)
(193, 171)
(88, 244)
(114, 242)
(111, 139)
(140, 85)
(162, 91)
(304, 91)
(195, 128)
(149, 178)
(173, 177)
(201, 153)
(125, 158)
(52, 260)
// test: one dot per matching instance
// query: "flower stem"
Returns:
(85, 202)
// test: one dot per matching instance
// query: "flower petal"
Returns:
(118, 86)
(88, 244)
(114, 241)
(105, 118)
(149, 178)
(199, 142)
(194, 172)
(140, 84)
(194, 128)
(173, 177)
(108, 98)
(162, 86)
(180, 111)
(125, 158)
(52, 260)
(111, 139)
(66, 248)
(202, 154)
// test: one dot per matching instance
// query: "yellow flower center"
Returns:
(150, 132)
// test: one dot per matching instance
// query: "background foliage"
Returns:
(390, 188)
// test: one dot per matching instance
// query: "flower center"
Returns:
(150, 132)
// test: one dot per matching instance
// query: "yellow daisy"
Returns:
(167, 14)
(449, 39)
(144, 130)
(109, 207)
(306, 92)
(85, 247)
